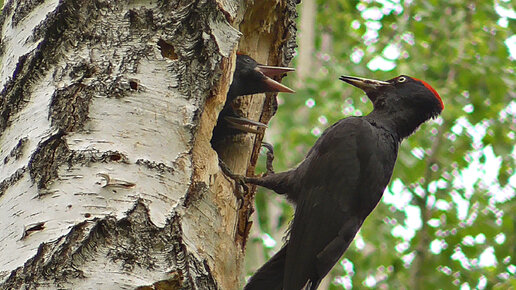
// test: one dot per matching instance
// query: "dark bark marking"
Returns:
(167, 50)
(69, 107)
(6, 183)
(32, 228)
(184, 26)
(6, 10)
(86, 157)
(11, 96)
(17, 151)
(116, 156)
(56, 150)
(46, 159)
(195, 192)
(159, 167)
(133, 83)
(141, 19)
(23, 9)
(47, 264)
(173, 283)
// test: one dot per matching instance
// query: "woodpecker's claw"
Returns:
(244, 121)
(239, 123)
(243, 129)
(239, 181)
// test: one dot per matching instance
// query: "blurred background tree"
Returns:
(447, 219)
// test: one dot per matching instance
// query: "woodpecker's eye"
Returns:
(402, 79)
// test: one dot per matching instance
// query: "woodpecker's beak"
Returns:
(270, 71)
(366, 85)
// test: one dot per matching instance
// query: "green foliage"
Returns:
(447, 219)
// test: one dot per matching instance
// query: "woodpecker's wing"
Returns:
(339, 190)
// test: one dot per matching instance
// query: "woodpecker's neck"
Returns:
(400, 122)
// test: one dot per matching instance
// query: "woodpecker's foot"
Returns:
(242, 124)
(270, 158)
(240, 181)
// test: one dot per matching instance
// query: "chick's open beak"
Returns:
(270, 71)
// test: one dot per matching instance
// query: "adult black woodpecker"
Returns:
(341, 180)
(249, 78)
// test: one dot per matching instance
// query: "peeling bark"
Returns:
(108, 179)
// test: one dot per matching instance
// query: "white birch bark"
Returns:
(108, 179)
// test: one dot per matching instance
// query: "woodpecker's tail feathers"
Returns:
(270, 275)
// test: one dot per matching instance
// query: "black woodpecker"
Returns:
(341, 180)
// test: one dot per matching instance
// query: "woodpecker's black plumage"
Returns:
(342, 180)
(249, 78)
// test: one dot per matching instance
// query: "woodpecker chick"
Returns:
(249, 78)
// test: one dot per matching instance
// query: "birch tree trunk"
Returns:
(108, 179)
